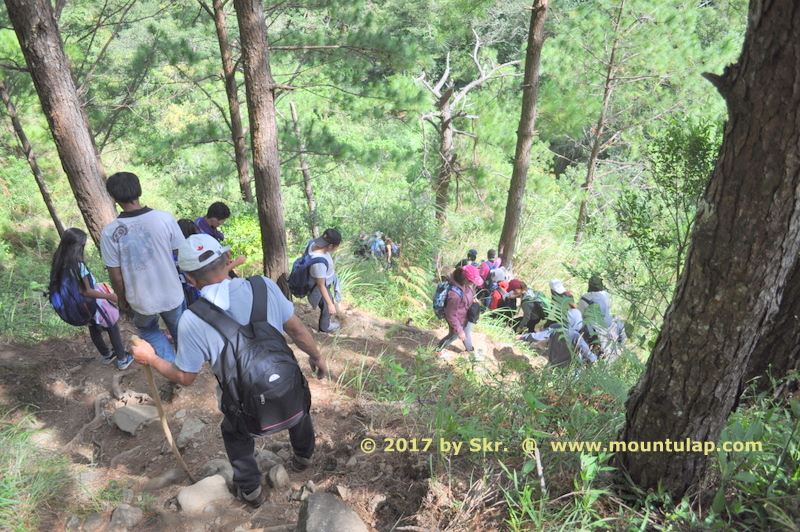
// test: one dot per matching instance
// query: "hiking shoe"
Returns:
(123, 364)
(333, 327)
(476, 356)
(255, 498)
(299, 464)
(109, 358)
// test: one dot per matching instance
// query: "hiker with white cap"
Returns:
(242, 301)
(460, 298)
(561, 301)
(325, 278)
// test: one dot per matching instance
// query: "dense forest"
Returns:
(410, 118)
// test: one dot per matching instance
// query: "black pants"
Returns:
(96, 333)
(240, 446)
(316, 300)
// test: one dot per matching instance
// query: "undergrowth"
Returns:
(33, 481)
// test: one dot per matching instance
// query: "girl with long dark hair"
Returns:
(68, 260)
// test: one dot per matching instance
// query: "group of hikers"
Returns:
(586, 328)
(178, 271)
(383, 249)
(232, 323)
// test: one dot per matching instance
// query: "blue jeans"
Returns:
(150, 331)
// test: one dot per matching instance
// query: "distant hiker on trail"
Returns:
(362, 246)
(460, 297)
(491, 262)
(472, 256)
(137, 249)
(561, 301)
(377, 245)
(604, 329)
(237, 302)
(575, 333)
(503, 302)
(488, 273)
(534, 305)
(217, 214)
(68, 263)
(324, 279)
(392, 251)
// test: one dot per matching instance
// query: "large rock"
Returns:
(191, 428)
(124, 517)
(323, 512)
(197, 496)
(132, 418)
(218, 466)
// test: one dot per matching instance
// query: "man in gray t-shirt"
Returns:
(205, 261)
(137, 249)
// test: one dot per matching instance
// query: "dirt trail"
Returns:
(73, 397)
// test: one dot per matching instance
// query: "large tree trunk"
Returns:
(229, 72)
(442, 186)
(525, 131)
(37, 32)
(308, 188)
(591, 167)
(27, 149)
(777, 353)
(744, 250)
(264, 137)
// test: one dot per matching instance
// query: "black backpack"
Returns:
(262, 384)
(300, 280)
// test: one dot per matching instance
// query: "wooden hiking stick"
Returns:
(135, 340)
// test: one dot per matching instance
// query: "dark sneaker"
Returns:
(299, 464)
(123, 364)
(109, 358)
(255, 498)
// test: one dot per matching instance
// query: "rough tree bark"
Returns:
(743, 254)
(525, 132)
(35, 25)
(27, 149)
(264, 137)
(777, 353)
(308, 189)
(232, 91)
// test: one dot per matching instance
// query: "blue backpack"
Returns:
(300, 280)
(68, 302)
(440, 297)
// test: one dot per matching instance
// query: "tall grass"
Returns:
(33, 482)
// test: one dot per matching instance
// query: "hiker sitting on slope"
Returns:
(534, 306)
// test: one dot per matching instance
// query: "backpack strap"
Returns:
(587, 301)
(224, 324)
(259, 310)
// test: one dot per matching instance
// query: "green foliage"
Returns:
(759, 487)
(33, 481)
(657, 216)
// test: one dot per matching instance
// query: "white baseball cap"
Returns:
(557, 286)
(198, 251)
